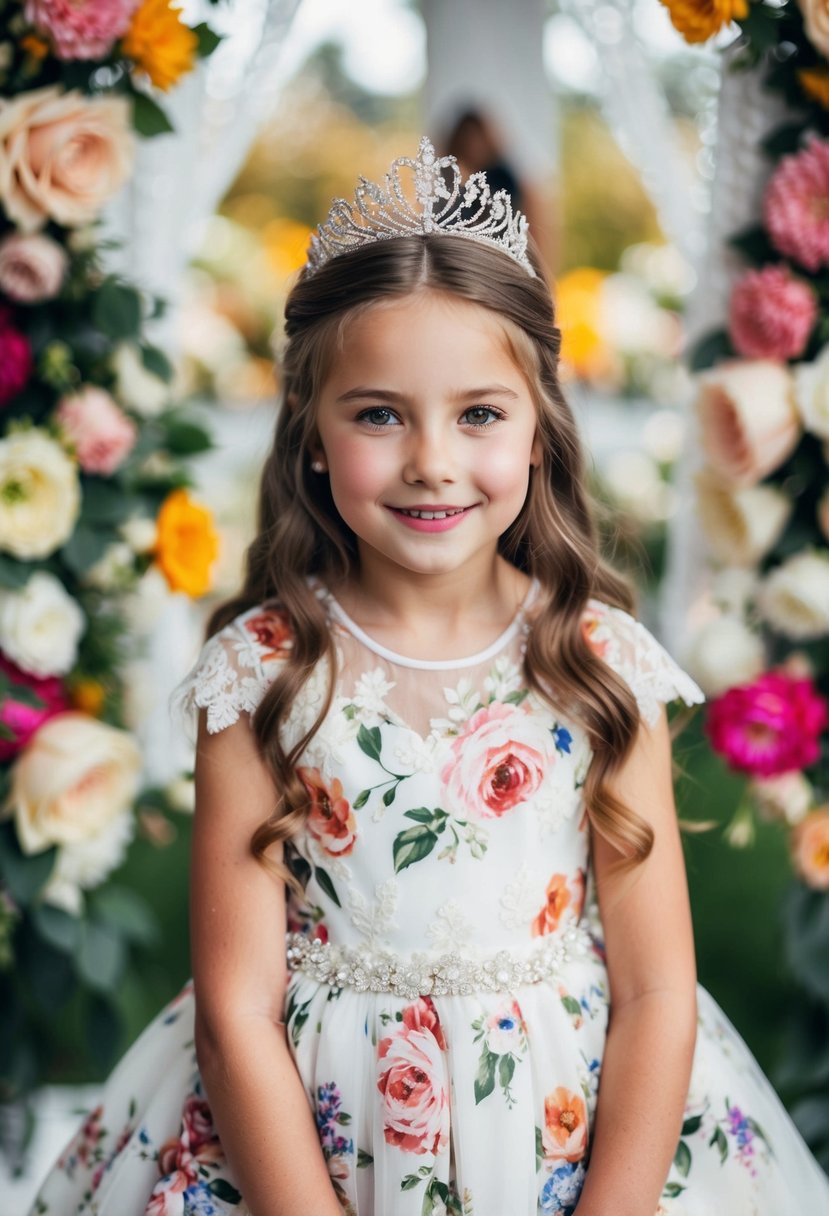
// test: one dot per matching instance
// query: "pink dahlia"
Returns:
(796, 206)
(769, 727)
(81, 29)
(15, 360)
(772, 314)
(17, 716)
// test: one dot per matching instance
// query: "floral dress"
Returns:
(447, 997)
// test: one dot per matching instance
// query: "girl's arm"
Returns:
(650, 958)
(237, 915)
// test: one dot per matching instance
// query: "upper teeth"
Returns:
(431, 514)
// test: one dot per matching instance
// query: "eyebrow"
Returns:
(385, 394)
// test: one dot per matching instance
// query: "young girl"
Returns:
(442, 951)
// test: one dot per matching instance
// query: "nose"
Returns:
(429, 459)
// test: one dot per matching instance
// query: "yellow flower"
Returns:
(160, 43)
(38, 48)
(88, 696)
(187, 543)
(578, 309)
(699, 20)
(815, 84)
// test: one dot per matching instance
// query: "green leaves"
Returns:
(413, 844)
(116, 310)
(369, 741)
(24, 874)
(682, 1158)
(485, 1076)
(148, 118)
(324, 880)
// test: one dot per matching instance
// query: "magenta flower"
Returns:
(770, 726)
(22, 719)
(772, 314)
(796, 206)
(16, 360)
(81, 29)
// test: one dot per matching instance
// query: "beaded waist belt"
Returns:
(446, 975)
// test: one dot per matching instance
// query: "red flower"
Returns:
(772, 314)
(330, 818)
(272, 630)
(16, 361)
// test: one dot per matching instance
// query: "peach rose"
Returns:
(564, 1135)
(74, 777)
(560, 896)
(62, 155)
(330, 819)
(412, 1081)
(32, 267)
(816, 20)
(810, 848)
(101, 433)
(748, 420)
(498, 761)
(272, 630)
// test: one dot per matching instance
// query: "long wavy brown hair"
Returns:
(554, 538)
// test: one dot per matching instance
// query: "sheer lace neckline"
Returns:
(401, 660)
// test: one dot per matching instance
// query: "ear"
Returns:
(536, 452)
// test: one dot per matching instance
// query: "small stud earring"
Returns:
(317, 466)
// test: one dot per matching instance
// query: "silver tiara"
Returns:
(382, 212)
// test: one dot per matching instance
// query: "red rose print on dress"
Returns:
(498, 761)
(564, 1135)
(563, 893)
(330, 820)
(272, 630)
(412, 1081)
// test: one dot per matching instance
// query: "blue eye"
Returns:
(482, 416)
(378, 417)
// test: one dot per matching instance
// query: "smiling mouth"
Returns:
(443, 514)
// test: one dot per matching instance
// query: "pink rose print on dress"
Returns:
(564, 1135)
(272, 630)
(330, 820)
(562, 893)
(412, 1081)
(499, 760)
(184, 1162)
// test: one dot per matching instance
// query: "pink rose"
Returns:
(747, 417)
(772, 314)
(62, 155)
(498, 761)
(32, 267)
(16, 360)
(201, 1135)
(770, 726)
(81, 29)
(796, 206)
(412, 1081)
(102, 434)
(23, 719)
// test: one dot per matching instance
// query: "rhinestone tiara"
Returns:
(381, 212)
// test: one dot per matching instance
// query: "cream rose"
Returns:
(40, 626)
(40, 495)
(748, 421)
(32, 267)
(811, 393)
(62, 155)
(816, 19)
(786, 797)
(740, 525)
(794, 598)
(114, 569)
(823, 514)
(725, 653)
(84, 864)
(732, 588)
(138, 388)
(74, 777)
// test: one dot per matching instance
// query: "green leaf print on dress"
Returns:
(733, 1135)
(504, 1036)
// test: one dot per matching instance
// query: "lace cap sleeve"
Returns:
(643, 663)
(234, 669)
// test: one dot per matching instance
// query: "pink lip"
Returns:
(432, 525)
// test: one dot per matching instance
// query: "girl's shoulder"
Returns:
(235, 667)
(633, 652)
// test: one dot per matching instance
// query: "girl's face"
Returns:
(428, 430)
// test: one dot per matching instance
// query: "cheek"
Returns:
(504, 469)
(359, 469)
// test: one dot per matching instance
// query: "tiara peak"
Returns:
(382, 212)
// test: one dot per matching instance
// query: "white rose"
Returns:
(742, 524)
(140, 534)
(811, 393)
(85, 864)
(732, 588)
(794, 598)
(114, 569)
(787, 797)
(40, 495)
(74, 777)
(138, 388)
(181, 794)
(725, 653)
(32, 267)
(40, 626)
(748, 421)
